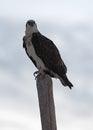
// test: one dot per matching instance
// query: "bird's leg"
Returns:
(42, 74)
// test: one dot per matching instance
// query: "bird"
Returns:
(44, 54)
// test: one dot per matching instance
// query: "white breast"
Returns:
(31, 52)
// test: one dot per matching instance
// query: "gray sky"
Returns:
(69, 24)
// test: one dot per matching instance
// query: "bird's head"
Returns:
(31, 27)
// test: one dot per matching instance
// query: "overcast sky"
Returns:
(69, 23)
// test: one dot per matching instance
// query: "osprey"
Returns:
(44, 54)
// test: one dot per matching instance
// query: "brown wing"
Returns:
(49, 54)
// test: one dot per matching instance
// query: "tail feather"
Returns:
(65, 81)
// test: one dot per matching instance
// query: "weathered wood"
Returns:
(46, 102)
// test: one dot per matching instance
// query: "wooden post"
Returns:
(46, 102)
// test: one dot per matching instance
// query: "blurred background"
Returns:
(69, 23)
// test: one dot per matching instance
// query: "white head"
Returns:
(31, 27)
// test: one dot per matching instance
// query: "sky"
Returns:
(69, 23)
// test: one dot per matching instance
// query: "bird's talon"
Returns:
(36, 74)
